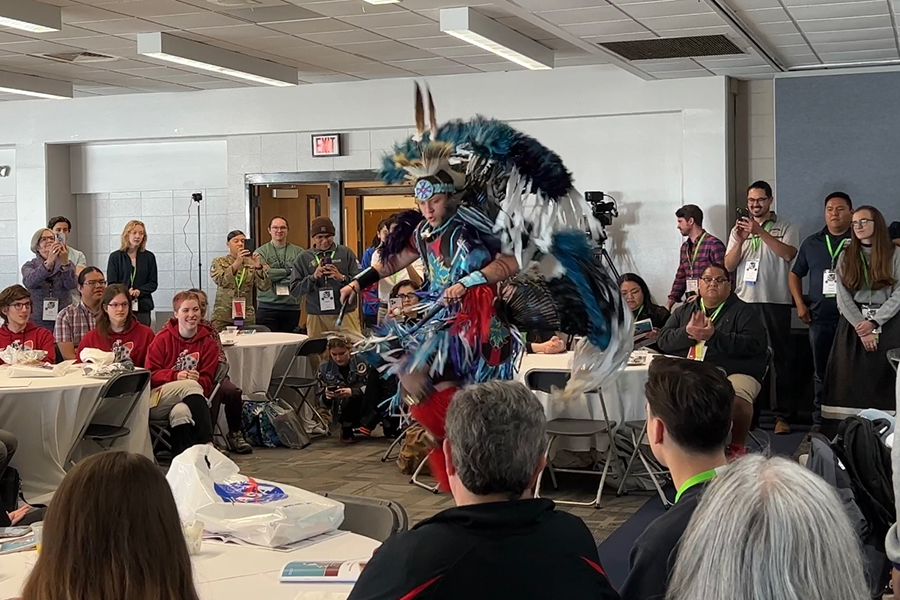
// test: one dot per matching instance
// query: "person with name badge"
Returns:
(75, 321)
(17, 327)
(698, 251)
(236, 275)
(135, 266)
(817, 259)
(318, 275)
(721, 329)
(61, 226)
(868, 297)
(276, 308)
(50, 277)
(760, 251)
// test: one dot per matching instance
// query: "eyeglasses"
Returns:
(95, 283)
(118, 304)
(861, 223)
(716, 280)
(757, 200)
(411, 296)
(21, 305)
(47, 239)
(278, 228)
(631, 294)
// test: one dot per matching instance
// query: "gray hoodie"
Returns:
(892, 541)
(304, 284)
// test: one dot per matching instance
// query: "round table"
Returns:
(47, 414)
(256, 358)
(230, 572)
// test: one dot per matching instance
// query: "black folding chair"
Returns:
(221, 374)
(256, 328)
(159, 428)
(305, 386)
(125, 389)
(893, 357)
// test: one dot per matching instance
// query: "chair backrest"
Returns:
(312, 346)
(256, 328)
(221, 372)
(125, 384)
(893, 357)
(545, 381)
(371, 517)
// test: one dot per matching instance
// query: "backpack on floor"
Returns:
(257, 426)
(413, 450)
(286, 424)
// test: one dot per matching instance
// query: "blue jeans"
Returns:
(821, 338)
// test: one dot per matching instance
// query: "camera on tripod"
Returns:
(604, 212)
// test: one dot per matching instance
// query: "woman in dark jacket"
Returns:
(637, 296)
(135, 267)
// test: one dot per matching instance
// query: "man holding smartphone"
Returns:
(760, 251)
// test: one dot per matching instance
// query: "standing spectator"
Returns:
(236, 276)
(343, 386)
(768, 528)
(818, 258)
(76, 320)
(50, 277)
(319, 275)
(135, 266)
(499, 542)
(414, 273)
(118, 330)
(277, 309)
(721, 329)
(370, 301)
(62, 225)
(17, 328)
(760, 252)
(868, 297)
(698, 251)
(689, 407)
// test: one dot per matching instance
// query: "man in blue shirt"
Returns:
(817, 258)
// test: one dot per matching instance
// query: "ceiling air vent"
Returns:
(79, 58)
(676, 47)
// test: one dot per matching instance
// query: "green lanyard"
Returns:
(697, 249)
(239, 280)
(755, 241)
(695, 480)
(637, 315)
(834, 253)
(133, 272)
(319, 258)
(865, 266)
(715, 314)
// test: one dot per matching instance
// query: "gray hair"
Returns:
(768, 528)
(36, 239)
(497, 433)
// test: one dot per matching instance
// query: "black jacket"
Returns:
(503, 550)
(119, 271)
(654, 552)
(738, 344)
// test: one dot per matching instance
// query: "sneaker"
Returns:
(365, 431)
(347, 436)
(782, 427)
(734, 452)
(237, 443)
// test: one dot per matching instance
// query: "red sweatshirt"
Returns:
(130, 344)
(32, 337)
(170, 353)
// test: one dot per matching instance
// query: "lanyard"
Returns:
(755, 242)
(715, 314)
(695, 480)
(834, 253)
(239, 280)
(697, 249)
(865, 266)
(133, 271)
(319, 258)
(637, 315)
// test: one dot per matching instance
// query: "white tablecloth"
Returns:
(230, 572)
(255, 359)
(47, 416)
(624, 396)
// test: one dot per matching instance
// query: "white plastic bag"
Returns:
(208, 487)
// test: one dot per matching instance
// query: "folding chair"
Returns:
(304, 386)
(545, 381)
(639, 442)
(370, 517)
(256, 328)
(125, 389)
(755, 429)
(221, 374)
(893, 357)
(415, 477)
(159, 428)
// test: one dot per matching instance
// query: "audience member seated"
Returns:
(50, 277)
(112, 531)
(229, 397)
(642, 306)
(118, 330)
(688, 421)
(17, 328)
(76, 320)
(768, 528)
(868, 297)
(8, 446)
(343, 388)
(544, 342)
(723, 330)
(182, 360)
(499, 542)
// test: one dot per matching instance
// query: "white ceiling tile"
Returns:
(464, 52)
(620, 37)
(885, 44)
(857, 8)
(330, 78)
(774, 29)
(273, 14)
(578, 61)
(561, 4)
(278, 42)
(78, 13)
(753, 4)
(312, 26)
(850, 35)
(152, 8)
(396, 19)
(682, 74)
(791, 51)
(379, 71)
(844, 24)
(440, 41)
(349, 8)
(222, 84)
(411, 31)
(764, 15)
(802, 60)
(671, 64)
(339, 38)
(389, 51)
(574, 16)
(104, 44)
(122, 26)
(236, 33)
(667, 8)
(682, 22)
(690, 31)
(482, 59)
(196, 20)
(67, 32)
(609, 28)
(721, 62)
(860, 55)
(743, 71)
(791, 3)
(424, 63)
(500, 67)
(452, 70)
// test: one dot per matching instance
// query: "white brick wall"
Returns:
(9, 261)
(761, 125)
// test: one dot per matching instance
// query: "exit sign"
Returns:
(326, 144)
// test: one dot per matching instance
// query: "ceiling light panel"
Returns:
(36, 87)
(467, 25)
(28, 15)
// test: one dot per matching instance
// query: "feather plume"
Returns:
(420, 115)
(432, 115)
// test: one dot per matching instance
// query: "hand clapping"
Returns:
(699, 328)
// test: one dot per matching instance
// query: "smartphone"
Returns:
(641, 327)
(395, 305)
(248, 245)
(332, 388)
(743, 213)
(61, 238)
(326, 261)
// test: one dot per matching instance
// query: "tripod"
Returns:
(198, 198)
(605, 259)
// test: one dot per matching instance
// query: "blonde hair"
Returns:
(127, 231)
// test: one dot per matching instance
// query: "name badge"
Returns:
(692, 286)
(869, 313)
(326, 300)
(282, 290)
(829, 283)
(751, 272)
(697, 351)
(238, 309)
(51, 309)
(134, 305)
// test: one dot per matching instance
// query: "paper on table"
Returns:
(41, 371)
(222, 539)
(14, 384)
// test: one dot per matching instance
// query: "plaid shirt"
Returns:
(711, 251)
(73, 323)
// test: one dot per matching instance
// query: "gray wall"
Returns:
(837, 132)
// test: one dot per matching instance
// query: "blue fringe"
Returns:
(572, 250)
